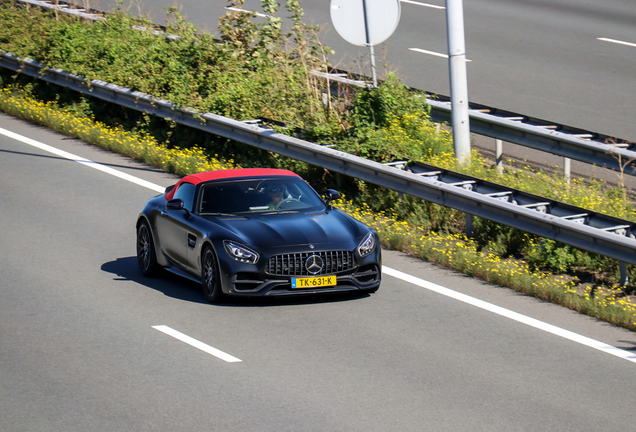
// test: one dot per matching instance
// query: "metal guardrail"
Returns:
(523, 199)
(570, 225)
(561, 140)
(566, 141)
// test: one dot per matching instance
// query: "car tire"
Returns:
(146, 257)
(210, 276)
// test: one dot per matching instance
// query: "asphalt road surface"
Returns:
(568, 61)
(81, 347)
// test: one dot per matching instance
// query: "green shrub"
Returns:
(500, 240)
(389, 122)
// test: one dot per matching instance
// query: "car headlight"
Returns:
(240, 252)
(367, 245)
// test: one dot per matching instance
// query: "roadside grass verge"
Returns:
(140, 146)
(608, 303)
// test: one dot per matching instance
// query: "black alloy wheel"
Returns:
(210, 277)
(146, 257)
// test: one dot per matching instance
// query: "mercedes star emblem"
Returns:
(313, 264)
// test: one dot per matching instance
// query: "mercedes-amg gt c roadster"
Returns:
(256, 232)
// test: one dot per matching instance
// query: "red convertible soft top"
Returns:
(231, 173)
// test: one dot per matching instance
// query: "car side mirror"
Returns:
(175, 204)
(331, 195)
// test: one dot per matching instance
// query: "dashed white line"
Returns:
(258, 14)
(524, 319)
(197, 344)
(433, 53)
(423, 4)
(616, 41)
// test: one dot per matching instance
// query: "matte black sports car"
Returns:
(256, 232)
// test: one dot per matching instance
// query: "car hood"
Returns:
(270, 231)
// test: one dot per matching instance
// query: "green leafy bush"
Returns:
(259, 72)
(389, 122)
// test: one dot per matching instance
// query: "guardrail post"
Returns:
(469, 225)
(499, 155)
(566, 169)
(624, 278)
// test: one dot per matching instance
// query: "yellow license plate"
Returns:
(313, 282)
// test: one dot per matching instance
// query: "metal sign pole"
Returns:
(369, 44)
(458, 79)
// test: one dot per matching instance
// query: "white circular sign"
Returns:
(347, 17)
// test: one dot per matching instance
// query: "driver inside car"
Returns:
(276, 193)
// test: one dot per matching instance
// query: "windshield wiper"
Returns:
(279, 212)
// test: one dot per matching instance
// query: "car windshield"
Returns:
(257, 196)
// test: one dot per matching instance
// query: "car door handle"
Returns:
(163, 213)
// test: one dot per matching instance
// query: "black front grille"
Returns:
(294, 264)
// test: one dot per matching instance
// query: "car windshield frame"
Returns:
(257, 196)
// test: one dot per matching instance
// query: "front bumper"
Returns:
(272, 275)
(364, 278)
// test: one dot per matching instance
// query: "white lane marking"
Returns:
(617, 41)
(524, 319)
(83, 161)
(197, 344)
(395, 273)
(433, 53)
(423, 4)
(258, 14)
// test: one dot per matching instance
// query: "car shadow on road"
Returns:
(628, 345)
(177, 287)
(171, 285)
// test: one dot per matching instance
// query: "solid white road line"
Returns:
(617, 42)
(433, 53)
(83, 161)
(566, 334)
(423, 4)
(197, 344)
(386, 270)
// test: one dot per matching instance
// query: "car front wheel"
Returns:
(210, 277)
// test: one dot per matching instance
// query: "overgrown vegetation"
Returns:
(262, 70)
